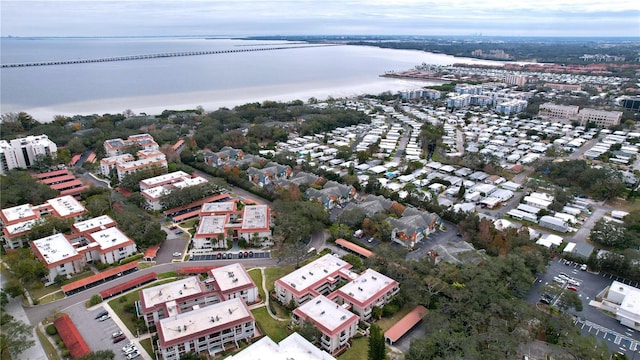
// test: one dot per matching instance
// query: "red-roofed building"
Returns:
(71, 337)
(150, 254)
(405, 324)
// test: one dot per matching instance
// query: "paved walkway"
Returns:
(131, 337)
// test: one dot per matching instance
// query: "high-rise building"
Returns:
(23, 152)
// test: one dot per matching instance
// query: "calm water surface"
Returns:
(210, 81)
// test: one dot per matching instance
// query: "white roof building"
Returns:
(293, 346)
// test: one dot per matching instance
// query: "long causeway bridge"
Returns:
(156, 56)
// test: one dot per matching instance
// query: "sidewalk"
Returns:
(131, 337)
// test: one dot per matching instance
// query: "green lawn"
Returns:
(146, 344)
(386, 323)
(188, 224)
(118, 305)
(358, 350)
(256, 276)
(168, 274)
(274, 273)
(276, 330)
(49, 349)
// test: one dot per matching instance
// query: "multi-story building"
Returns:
(222, 220)
(210, 329)
(563, 87)
(233, 281)
(17, 221)
(114, 147)
(365, 292)
(293, 346)
(515, 79)
(126, 164)
(23, 152)
(156, 188)
(601, 118)
(459, 101)
(512, 106)
(559, 112)
(224, 283)
(622, 300)
(336, 324)
(96, 239)
(319, 277)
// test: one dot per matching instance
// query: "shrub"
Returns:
(65, 353)
(95, 300)
(131, 258)
(51, 330)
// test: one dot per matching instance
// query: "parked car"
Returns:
(572, 288)
(250, 254)
(583, 267)
(224, 256)
(246, 254)
(240, 255)
(229, 256)
(101, 314)
(119, 338)
(559, 281)
(128, 347)
(545, 300)
(219, 256)
(177, 254)
(133, 355)
(131, 350)
(104, 317)
(117, 334)
(179, 232)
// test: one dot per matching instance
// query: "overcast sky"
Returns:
(320, 17)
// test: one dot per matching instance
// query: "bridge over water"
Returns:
(156, 56)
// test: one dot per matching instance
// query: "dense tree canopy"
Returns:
(18, 187)
(598, 182)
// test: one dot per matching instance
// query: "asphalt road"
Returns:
(584, 148)
(39, 312)
(591, 285)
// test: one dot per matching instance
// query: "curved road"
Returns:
(39, 312)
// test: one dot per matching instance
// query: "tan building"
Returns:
(602, 118)
(554, 111)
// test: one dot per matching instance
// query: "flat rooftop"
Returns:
(367, 285)
(94, 223)
(110, 237)
(204, 320)
(224, 206)
(293, 347)
(171, 291)
(255, 217)
(156, 192)
(212, 224)
(166, 178)
(66, 205)
(231, 277)
(21, 227)
(54, 248)
(18, 212)
(185, 183)
(313, 272)
(326, 313)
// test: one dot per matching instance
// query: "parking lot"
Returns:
(591, 320)
(97, 333)
(231, 256)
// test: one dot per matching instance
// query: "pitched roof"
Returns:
(71, 336)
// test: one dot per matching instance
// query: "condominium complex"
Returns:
(514, 79)
(126, 164)
(293, 346)
(210, 329)
(319, 277)
(17, 221)
(96, 239)
(220, 220)
(114, 147)
(224, 283)
(156, 188)
(365, 292)
(336, 324)
(23, 152)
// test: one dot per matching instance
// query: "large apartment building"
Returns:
(156, 188)
(23, 152)
(210, 329)
(319, 277)
(224, 283)
(336, 324)
(95, 239)
(114, 147)
(126, 164)
(17, 221)
(365, 292)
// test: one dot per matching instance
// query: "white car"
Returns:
(104, 317)
(116, 334)
(133, 355)
(583, 267)
(128, 347)
(177, 254)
